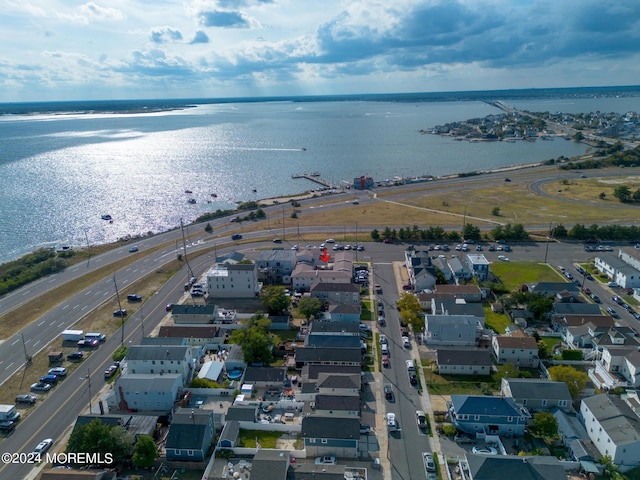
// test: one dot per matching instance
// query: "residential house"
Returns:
(205, 336)
(421, 272)
(268, 464)
(161, 360)
(453, 330)
(334, 328)
(147, 392)
(551, 289)
(614, 428)
(190, 313)
(338, 383)
(561, 309)
(490, 415)
(334, 341)
(453, 305)
(537, 394)
(327, 356)
(561, 323)
(618, 366)
(617, 270)
(462, 361)
(574, 436)
(478, 265)
(275, 266)
(331, 435)
(229, 435)
(265, 377)
(440, 264)
(521, 351)
(345, 405)
(305, 276)
(469, 293)
(245, 414)
(490, 467)
(337, 294)
(190, 435)
(344, 313)
(238, 280)
(426, 300)
(459, 269)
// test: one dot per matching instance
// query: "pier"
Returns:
(314, 177)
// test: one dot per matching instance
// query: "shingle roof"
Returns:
(338, 402)
(505, 341)
(155, 352)
(538, 388)
(264, 374)
(484, 405)
(487, 467)
(322, 354)
(464, 357)
(318, 426)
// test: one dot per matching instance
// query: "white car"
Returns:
(406, 342)
(392, 423)
(325, 460)
(43, 446)
(429, 463)
(503, 258)
(484, 450)
(383, 339)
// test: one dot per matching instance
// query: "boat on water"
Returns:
(214, 195)
(191, 200)
(106, 217)
(188, 191)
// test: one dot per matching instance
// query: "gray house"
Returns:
(148, 392)
(275, 266)
(461, 361)
(330, 435)
(190, 435)
(537, 394)
(190, 313)
(453, 330)
(490, 415)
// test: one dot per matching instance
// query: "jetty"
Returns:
(314, 177)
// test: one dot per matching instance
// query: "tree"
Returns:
(622, 193)
(275, 300)
(309, 307)
(208, 228)
(610, 468)
(545, 424)
(471, 232)
(255, 340)
(411, 311)
(576, 381)
(543, 350)
(144, 451)
(96, 437)
(495, 212)
(507, 370)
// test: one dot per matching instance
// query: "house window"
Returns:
(509, 419)
(524, 402)
(544, 403)
(324, 440)
(190, 453)
(562, 403)
(476, 417)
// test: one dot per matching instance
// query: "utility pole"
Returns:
(88, 247)
(89, 387)
(546, 250)
(119, 309)
(184, 246)
(283, 234)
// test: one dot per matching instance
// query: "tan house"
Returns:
(521, 351)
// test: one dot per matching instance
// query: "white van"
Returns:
(384, 348)
(411, 367)
(101, 337)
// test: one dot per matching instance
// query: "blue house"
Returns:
(331, 435)
(190, 435)
(489, 415)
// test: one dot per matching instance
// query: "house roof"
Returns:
(484, 405)
(313, 372)
(66, 474)
(158, 352)
(319, 426)
(551, 288)
(241, 413)
(458, 289)
(342, 402)
(193, 309)
(264, 374)
(574, 320)
(174, 341)
(335, 287)
(538, 388)
(327, 327)
(457, 306)
(192, 416)
(270, 464)
(335, 341)
(185, 436)
(345, 309)
(326, 354)
(339, 380)
(616, 418)
(576, 308)
(505, 341)
(230, 432)
(276, 256)
(490, 467)
(459, 356)
(187, 331)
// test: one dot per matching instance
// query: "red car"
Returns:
(169, 307)
(385, 360)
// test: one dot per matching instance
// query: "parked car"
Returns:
(40, 387)
(364, 429)
(413, 379)
(595, 298)
(133, 249)
(392, 422)
(385, 361)
(50, 379)
(612, 312)
(75, 356)
(406, 342)
(484, 450)
(236, 236)
(429, 463)
(110, 372)
(613, 285)
(120, 313)
(86, 343)
(43, 446)
(134, 297)
(25, 398)
(7, 426)
(421, 419)
(388, 391)
(325, 460)
(58, 371)
(168, 307)
(383, 339)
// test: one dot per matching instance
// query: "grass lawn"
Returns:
(498, 322)
(366, 310)
(514, 274)
(550, 342)
(266, 439)
(459, 384)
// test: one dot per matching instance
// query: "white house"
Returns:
(454, 330)
(238, 280)
(613, 427)
(161, 360)
(148, 392)
(522, 351)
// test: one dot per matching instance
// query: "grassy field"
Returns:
(498, 322)
(266, 439)
(514, 274)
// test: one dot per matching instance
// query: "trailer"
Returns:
(8, 413)
(72, 335)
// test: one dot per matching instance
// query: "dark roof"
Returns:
(327, 354)
(187, 331)
(576, 308)
(270, 464)
(185, 436)
(339, 380)
(538, 388)
(242, 413)
(461, 356)
(318, 426)
(551, 288)
(157, 352)
(174, 341)
(312, 372)
(338, 402)
(264, 374)
(191, 309)
(453, 307)
(490, 467)
(335, 287)
(335, 341)
(327, 327)
(192, 416)
(484, 405)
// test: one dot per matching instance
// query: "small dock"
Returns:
(314, 177)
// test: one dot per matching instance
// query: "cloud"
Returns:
(165, 34)
(91, 12)
(227, 19)
(199, 37)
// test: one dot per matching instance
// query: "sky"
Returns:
(126, 49)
